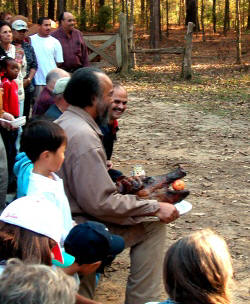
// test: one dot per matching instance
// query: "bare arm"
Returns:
(28, 80)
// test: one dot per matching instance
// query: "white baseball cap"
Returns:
(60, 85)
(19, 25)
(36, 214)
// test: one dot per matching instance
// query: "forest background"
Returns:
(202, 124)
(219, 13)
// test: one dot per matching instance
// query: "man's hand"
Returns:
(130, 184)
(9, 117)
(167, 213)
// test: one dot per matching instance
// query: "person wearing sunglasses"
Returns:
(19, 30)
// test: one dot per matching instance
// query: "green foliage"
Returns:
(81, 20)
(104, 17)
(7, 6)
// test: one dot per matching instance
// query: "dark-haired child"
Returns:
(93, 247)
(9, 69)
(91, 244)
(44, 142)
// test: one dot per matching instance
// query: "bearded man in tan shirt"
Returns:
(93, 195)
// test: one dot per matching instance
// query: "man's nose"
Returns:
(120, 106)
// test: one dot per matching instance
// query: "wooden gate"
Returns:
(121, 58)
(108, 40)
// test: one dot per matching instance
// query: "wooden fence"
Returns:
(122, 53)
(108, 40)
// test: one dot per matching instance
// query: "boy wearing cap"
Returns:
(92, 246)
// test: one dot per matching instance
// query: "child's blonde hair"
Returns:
(198, 269)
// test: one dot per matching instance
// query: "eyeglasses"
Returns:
(21, 31)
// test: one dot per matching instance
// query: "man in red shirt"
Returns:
(75, 53)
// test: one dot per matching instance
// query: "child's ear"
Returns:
(90, 268)
(44, 155)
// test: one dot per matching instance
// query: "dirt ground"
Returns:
(202, 125)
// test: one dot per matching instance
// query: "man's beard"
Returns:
(103, 119)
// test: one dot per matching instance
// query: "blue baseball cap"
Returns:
(91, 242)
(67, 260)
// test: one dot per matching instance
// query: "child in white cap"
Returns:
(31, 229)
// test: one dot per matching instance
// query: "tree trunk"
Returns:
(101, 3)
(124, 43)
(91, 13)
(22, 7)
(181, 12)
(159, 19)
(248, 18)
(151, 24)
(113, 10)
(51, 9)
(191, 13)
(126, 4)
(154, 28)
(187, 58)
(226, 18)
(202, 21)
(197, 16)
(243, 12)
(42, 8)
(34, 11)
(214, 16)
(238, 31)
(147, 14)
(131, 44)
(60, 8)
(167, 17)
(179, 19)
(123, 6)
(83, 15)
(143, 12)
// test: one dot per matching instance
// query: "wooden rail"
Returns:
(121, 58)
(170, 50)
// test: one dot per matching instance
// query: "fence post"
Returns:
(124, 43)
(118, 51)
(187, 61)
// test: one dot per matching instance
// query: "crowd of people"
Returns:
(68, 212)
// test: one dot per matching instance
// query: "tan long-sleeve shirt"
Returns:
(88, 186)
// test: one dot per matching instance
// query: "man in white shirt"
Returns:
(48, 52)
